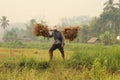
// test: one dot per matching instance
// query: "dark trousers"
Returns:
(54, 47)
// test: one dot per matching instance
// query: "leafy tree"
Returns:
(93, 29)
(118, 5)
(4, 22)
(85, 33)
(10, 35)
(29, 29)
(109, 19)
(107, 38)
(108, 5)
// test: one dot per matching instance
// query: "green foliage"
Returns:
(108, 20)
(84, 33)
(31, 63)
(16, 44)
(4, 22)
(10, 35)
(19, 44)
(98, 70)
(13, 44)
(29, 29)
(107, 38)
(96, 56)
(81, 59)
(88, 62)
(25, 62)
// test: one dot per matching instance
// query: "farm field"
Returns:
(90, 31)
(83, 62)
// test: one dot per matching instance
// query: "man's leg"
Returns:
(61, 49)
(50, 55)
(51, 51)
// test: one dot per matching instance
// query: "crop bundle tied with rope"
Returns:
(70, 33)
(41, 30)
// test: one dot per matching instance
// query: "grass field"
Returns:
(30, 61)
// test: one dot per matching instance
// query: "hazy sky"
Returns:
(52, 10)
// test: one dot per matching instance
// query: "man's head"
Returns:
(54, 28)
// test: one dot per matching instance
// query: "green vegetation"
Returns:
(4, 22)
(25, 57)
(83, 62)
(107, 38)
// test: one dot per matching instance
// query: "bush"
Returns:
(107, 38)
(108, 56)
(81, 59)
(98, 70)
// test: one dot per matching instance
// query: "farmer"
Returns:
(58, 42)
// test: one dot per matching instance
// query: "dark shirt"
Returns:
(58, 37)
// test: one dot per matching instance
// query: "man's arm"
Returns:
(51, 34)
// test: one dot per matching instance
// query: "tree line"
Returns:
(107, 23)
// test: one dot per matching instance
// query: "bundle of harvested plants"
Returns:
(70, 33)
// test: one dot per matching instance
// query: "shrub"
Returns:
(98, 70)
(107, 38)
(81, 59)
(108, 56)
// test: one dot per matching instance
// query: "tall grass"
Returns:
(96, 61)
(87, 62)
(86, 56)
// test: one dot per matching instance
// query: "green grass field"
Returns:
(30, 61)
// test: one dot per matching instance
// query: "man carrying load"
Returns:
(58, 42)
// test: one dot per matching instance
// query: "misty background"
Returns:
(94, 17)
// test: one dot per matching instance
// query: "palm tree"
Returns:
(4, 22)
(118, 5)
(117, 19)
(109, 6)
(112, 16)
